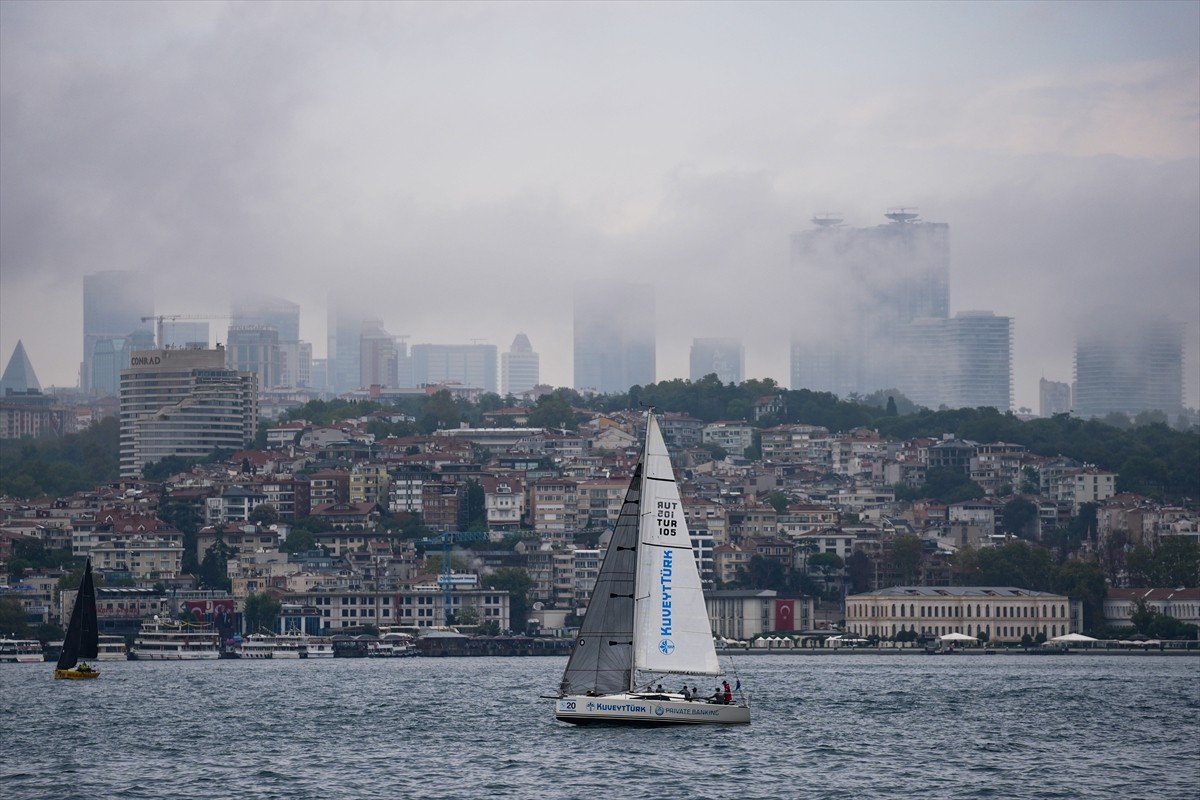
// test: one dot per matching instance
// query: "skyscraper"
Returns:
(114, 302)
(855, 289)
(519, 367)
(469, 365)
(344, 350)
(18, 377)
(284, 317)
(183, 403)
(614, 336)
(1054, 397)
(378, 356)
(1129, 365)
(723, 357)
(255, 348)
(961, 362)
(980, 361)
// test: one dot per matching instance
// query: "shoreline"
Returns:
(914, 651)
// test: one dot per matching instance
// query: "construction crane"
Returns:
(448, 539)
(158, 323)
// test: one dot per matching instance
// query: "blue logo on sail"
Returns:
(664, 581)
(666, 647)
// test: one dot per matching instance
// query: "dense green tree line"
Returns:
(57, 467)
(1150, 459)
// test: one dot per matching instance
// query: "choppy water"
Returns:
(841, 727)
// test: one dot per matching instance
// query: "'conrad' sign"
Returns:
(144, 361)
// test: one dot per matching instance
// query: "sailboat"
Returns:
(646, 619)
(83, 634)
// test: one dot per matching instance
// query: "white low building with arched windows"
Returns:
(1004, 613)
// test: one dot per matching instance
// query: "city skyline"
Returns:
(458, 189)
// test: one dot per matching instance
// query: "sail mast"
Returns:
(638, 550)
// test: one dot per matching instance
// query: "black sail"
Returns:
(83, 633)
(602, 658)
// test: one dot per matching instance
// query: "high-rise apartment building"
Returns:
(519, 367)
(468, 365)
(344, 345)
(722, 357)
(856, 288)
(183, 403)
(255, 348)
(614, 336)
(114, 303)
(284, 316)
(961, 362)
(377, 359)
(980, 361)
(1054, 397)
(1129, 366)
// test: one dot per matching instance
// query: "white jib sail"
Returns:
(671, 627)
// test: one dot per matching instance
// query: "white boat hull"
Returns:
(198, 655)
(636, 709)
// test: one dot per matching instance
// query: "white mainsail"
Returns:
(671, 630)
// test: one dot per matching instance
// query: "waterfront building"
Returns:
(1003, 613)
(723, 357)
(519, 367)
(1129, 366)
(114, 305)
(466, 365)
(614, 336)
(184, 403)
(743, 614)
(1182, 604)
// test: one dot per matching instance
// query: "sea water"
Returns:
(844, 726)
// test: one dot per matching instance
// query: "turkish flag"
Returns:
(785, 615)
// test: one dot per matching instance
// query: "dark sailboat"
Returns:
(83, 633)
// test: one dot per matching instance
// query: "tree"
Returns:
(1083, 581)
(908, 554)
(264, 514)
(552, 411)
(468, 615)
(1143, 615)
(779, 502)
(299, 540)
(517, 583)
(260, 612)
(14, 621)
(214, 569)
(826, 562)
(476, 500)
(1019, 516)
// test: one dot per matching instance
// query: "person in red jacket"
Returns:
(728, 692)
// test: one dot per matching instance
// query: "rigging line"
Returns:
(664, 480)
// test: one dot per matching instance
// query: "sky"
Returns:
(457, 167)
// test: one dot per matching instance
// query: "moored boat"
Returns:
(163, 640)
(20, 651)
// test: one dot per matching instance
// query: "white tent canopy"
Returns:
(1073, 637)
(957, 637)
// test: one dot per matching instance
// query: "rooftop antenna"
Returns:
(902, 214)
(828, 219)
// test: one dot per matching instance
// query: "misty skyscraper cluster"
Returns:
(871, 311)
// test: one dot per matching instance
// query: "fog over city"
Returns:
(458, 167)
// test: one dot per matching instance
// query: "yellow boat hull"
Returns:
(76, 675)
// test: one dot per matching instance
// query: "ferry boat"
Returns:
(21, 651)
(291, 645)
(257, 646)
(319, 647)
(163, 640)
(112, 648)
